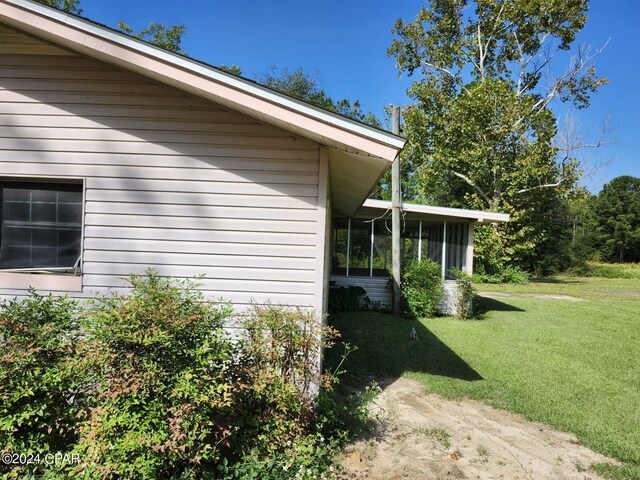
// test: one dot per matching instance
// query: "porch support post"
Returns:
(469, 252)
(444, 250)
(420, 242)
(371, 253)
(348, 244)
(395, 218)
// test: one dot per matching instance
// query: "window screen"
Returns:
(41, 225)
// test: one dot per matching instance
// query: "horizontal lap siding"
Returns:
(172, 182)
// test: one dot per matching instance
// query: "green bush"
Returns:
(421, 288)
(41, 396)
(506, 274)
(150, 386)
(465, 295)
(159, 359)
(347, 299)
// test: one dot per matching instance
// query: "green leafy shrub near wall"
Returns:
(465, 294)
(421, 288)
(149, 385)
(160, 361)
(347, 298)
(41, 396)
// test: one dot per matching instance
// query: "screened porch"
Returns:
(361, 247)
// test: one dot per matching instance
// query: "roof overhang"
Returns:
(355, 144)
(412, 211)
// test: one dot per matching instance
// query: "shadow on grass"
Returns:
(555, 281)
(483, 305)
(385, 349)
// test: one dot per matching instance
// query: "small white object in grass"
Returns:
(414, 334)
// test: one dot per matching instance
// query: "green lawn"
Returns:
(571, 364)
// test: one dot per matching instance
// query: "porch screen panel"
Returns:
(360, 251)
(340, 241)
(382, 248)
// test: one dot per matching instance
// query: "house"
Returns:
(116, 155)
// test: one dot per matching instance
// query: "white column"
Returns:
(444, 250)
(420, 242)
(348, 245)
(469, 252)
(371, 255)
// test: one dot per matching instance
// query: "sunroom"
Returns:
(361, 245)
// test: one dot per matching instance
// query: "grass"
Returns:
(437, 434)
(609, 270)
(574, 365)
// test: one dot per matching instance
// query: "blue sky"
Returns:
(345, 42)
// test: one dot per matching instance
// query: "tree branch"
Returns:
(476, 187)
(547, 185)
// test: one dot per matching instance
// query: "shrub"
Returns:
(279, 368)
(465, 295)
(160, 361)
(421, 288)
(507, 274)
(41, 396)
(152, 387)
(347, 299)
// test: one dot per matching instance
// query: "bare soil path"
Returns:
(424, 436)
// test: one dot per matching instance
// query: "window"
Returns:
(41, 226)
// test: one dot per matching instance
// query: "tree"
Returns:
(232, 69)
(168, 38)
(303, 86)
(71, 6)
(481, 131)
(617, 210)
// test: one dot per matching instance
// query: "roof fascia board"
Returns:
(32, 17)
(475, 215)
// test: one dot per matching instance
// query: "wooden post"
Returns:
(395, 217)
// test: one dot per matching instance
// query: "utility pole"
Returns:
(395, 218)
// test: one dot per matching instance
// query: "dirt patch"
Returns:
(543, 296)
(424, 436)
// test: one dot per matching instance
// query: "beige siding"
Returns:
(172, 182)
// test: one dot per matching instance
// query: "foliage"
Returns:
(286, 340)
(165, 37)
(42, 400)
(481, 131)
(159, 360)
(617, 212)
(70, 6)
(232, 69)
(347, 299)
(303, 86)
(465, 295)
(607, 270)
(149, 385)
(421, 288)
(505, 275)
(581, 222)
